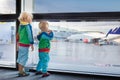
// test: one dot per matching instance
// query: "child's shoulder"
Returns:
(21, 25)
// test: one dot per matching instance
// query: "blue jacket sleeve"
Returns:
(39, 36)
(30, 34)
(47, 36)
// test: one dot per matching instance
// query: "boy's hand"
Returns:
(49, 31)
(32, 47)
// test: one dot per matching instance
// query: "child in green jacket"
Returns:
(44, 47)
(24, 41)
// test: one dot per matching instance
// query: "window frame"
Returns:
(10, 18)
(88, 16)
(78, 16)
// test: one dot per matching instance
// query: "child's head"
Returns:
(25, 17)
(43, 25)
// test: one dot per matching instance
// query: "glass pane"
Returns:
(7, 44)
(7, 6)
(82, 46)
(63, 6)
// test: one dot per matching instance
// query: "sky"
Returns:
(54, 6)
(64, 6)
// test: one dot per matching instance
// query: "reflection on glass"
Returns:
(63, 6)
(7, 44)
(82, 46)
(7, 6)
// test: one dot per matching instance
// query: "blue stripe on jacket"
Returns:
(30, 34)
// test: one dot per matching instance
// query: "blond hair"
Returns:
(42, 23)
(25, 17)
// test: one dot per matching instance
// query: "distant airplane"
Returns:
(113, 35)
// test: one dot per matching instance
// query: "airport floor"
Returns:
(8, 74)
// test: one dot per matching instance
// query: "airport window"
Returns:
(7, 44)
(78, 46)
(7, 6)
(67, 6)
(82, 47)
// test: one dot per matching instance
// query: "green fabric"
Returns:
(44, 43)
(23, 36)
(44, 40)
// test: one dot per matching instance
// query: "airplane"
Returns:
(99, 38)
